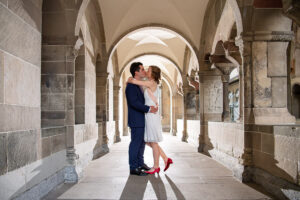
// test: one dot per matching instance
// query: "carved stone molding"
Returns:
(268, 36)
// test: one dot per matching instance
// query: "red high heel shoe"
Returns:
(170, 161)
(157, 170)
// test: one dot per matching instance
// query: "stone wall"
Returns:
(213, 98)
(275, 158)
(225, 143)
(26, 152)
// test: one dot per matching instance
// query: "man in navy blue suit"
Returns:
(136, 120)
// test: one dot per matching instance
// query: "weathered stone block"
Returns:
(53, 83)
(28, 11)
(22, 79)
(54, 52)
(57, 102)
(1, 77)
(71, 84)
(49, 132)
(14, 118)
(53, 115)
(52, 122)
(3, 153)
(80, 63)
(279, 92)
(79, 115)
(273, 116)
(70, 68)
(256, 141)
(70, 140)
(277, 59)
(17, 37)
(265, 128)
(79, 133)
(288, 131)
(70, 102)
(286, 147)
(70, 117)
(22, 148)
(261, 82)
(58, 143)
(46, 147)
(80, 80)
(267, 143)
(271, 20)
(54, 67)
(55, 29)
(79, 97)
(248, 140)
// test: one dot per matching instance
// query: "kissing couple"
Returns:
(143, 119)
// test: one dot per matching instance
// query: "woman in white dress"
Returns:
(153, 130)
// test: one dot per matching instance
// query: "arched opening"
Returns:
(162, 43)
(167, 89)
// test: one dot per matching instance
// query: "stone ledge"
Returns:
(273, 116)
(269, 36)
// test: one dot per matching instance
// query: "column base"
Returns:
(184, 136)
(174, 132)
(117, 138)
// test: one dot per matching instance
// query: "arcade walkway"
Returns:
(192, 176)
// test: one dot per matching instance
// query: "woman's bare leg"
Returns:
(162, 154)
(156, 153)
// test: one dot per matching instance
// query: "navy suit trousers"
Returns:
(136, 147)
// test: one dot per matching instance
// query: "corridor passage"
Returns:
(192, 176)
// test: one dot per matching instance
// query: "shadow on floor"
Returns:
(136, 186)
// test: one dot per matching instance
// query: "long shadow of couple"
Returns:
(136, 186)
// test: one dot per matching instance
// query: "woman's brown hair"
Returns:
(155, 73)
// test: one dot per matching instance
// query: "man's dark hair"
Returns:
(135, 67)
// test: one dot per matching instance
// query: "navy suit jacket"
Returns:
(136, 106)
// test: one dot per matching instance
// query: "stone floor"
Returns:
(192, 176)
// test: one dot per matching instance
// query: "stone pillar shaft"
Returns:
(269, 77)
(116, 113)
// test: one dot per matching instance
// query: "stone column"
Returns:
(125, 109)
(201, 112)
(225, 80)
(174, 119)
(101, 104)
(269, 76)
(116, 113)
(185, 90)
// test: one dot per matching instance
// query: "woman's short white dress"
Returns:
(153, 130)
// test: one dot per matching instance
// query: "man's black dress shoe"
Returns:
(138, 172)
(145, 167)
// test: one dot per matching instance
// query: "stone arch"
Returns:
(150, 53)
(231, 8)
(178, 33)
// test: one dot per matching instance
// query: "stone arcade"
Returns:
(230, 87)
